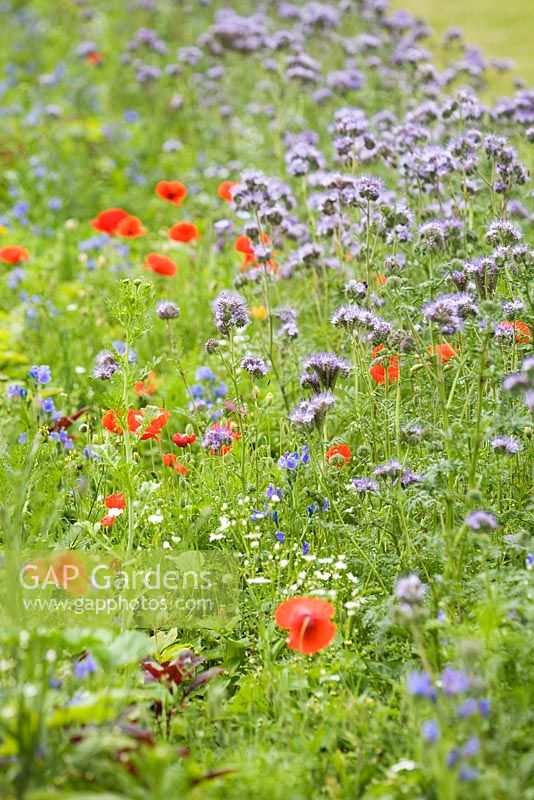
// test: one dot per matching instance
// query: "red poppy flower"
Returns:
(523, 333)
(444, 352)
(338, 455)
(171, 191)
(115, 503)
(183, 439)
(94, 58)
(111, 423)
(161, 265)
(184, 232)
(378, 371)
(147, 386)
(244, 245)
(225, 190)
(13, 254)
(107, 221)
(136, 420)
(130, 227)
(308, 620)
(170, 460)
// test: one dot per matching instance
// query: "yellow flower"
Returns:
(260, 312)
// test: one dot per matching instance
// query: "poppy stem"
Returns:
(128, 449)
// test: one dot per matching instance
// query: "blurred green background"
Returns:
(503, 28)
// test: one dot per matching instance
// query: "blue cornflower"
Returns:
(484, 707)
(63, 438)
(280, 537)
(420, 685)
(48, 405)
(205, 374)
(471, 747)
(305, 548)
(83, 667)
(454, 681)
(221, 390)
(14, 390)
(41, 373)
(468, 708)
(197, 390)
(430, 731)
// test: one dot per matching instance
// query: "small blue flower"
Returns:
(14, 390)
(280, 537)
(221, 390)
(41, 373)
(289, 461)
(22, 438)
(430, 731)
(197, 390)
(131, 116)
(420, 685)
(272, 493)
(90, 453)
(48, 405)
(484, 708)
(83, 667)
(453, 757)
(471, 747)
(205, 374)
(15, 277)
(467, 773)
(454, 681)
(305, 548)
(468, 708)
(120, 347)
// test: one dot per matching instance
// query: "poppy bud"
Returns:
(255, 392)
(528, 432)
(269, 397)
